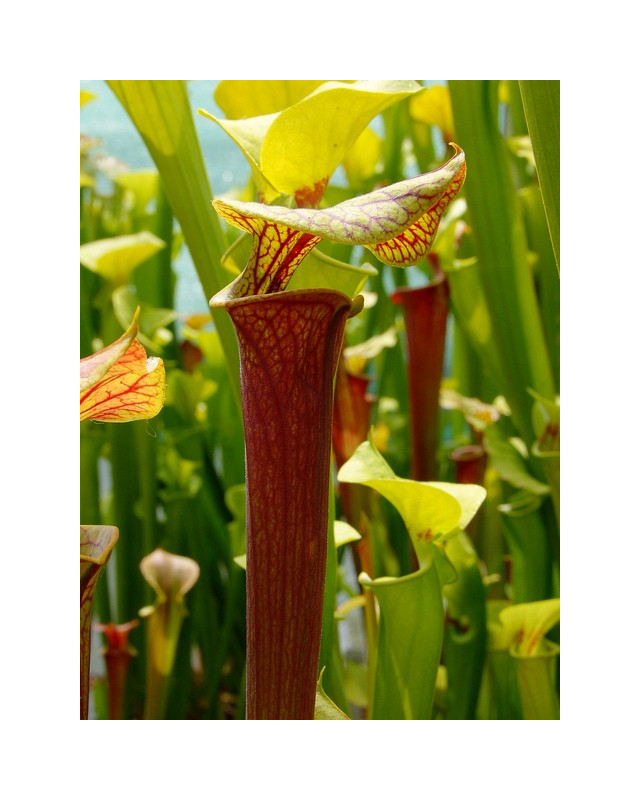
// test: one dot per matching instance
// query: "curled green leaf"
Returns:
(525, 626)
(527, 623)
(344, 533)
(116, 258)
(295, 150)
(432, 511)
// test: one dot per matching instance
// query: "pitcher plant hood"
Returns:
(397, 223)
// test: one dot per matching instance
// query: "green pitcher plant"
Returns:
(171, 577)
(524, 630)
(410, 637)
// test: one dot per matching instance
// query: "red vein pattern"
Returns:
(132, 388)
(289, 346)
(398, 223)
(416, 240)
(277, 252)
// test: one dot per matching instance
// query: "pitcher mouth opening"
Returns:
(223, 299)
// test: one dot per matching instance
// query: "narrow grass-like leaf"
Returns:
(465, 635)
(499, 234)
(471, 311)
(541, 100)
(528, 542)
(545, 271)
(161, 112)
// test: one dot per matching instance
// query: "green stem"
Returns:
(126, 493)
(146, 448)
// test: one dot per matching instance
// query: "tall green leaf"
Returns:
(501, 244)
(161, 112)
(541, 100)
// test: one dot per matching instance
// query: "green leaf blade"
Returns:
(161, 112)
(541, 101)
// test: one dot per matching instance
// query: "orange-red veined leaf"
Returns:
(119, 383)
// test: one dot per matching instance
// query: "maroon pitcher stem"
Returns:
(425, 311)
(289, 346)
